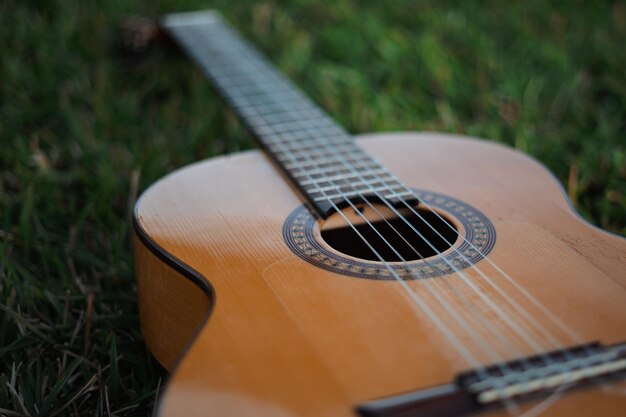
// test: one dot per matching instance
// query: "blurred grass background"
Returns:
(84, 128)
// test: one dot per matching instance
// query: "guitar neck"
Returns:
(319, 156)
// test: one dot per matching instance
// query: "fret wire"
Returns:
(351, 151)
(321, 157)
(293, 128)
(379, 177)
(305, 153)
(261, 77)
(341, 195)
(335, 178)
(364, 160)
(309, 165)
(313, 151)
(296, 134)
(353, 154)
(264, 98)
(237, 74)
(225, 68)
(352, 189)
(319, 172)
(331, 172)
(267, 96)
(262, 111)
(258, 88)
(234, 44)
(359, 187)
(298, 160)
(305, 136)
(275, 96)
(268, 108)
(222, 45)
(312, 161)
(384, 186)
(362, 188)
(271, 97)
(280, 117)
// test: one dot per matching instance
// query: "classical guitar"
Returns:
(398, 274)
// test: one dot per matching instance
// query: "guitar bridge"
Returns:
(491, 387)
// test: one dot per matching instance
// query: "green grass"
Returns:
(84, 128)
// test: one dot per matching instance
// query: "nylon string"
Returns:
(454, 341)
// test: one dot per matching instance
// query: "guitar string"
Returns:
(593, 354)
(408, 267)
(532, 412)
(467, 281)
(505, 369)
(274, 74)
(528, 368)
(455, 268)
(452, 266)
(509, 404)
(463, 237)
(399, 215)
(565, 329)
(451, 287)
(475, 364)
(590, 350)
(245, 48)
(571, 362)
(526, 365)
(414, 295)
(545, 334)
(449, 226)
(548, 357)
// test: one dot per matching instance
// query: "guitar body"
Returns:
(249, 328)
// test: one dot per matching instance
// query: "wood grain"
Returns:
(172, 307)
(286, 338)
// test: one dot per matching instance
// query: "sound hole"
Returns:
(437, 234)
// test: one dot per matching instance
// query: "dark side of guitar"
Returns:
(433, 275)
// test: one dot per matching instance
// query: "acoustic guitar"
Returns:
(388, 275)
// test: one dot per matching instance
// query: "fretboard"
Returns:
(319, 157)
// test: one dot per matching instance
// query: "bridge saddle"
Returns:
(524, 379)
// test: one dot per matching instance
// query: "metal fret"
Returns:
(309, 153)
(339, 177)
(317, 154)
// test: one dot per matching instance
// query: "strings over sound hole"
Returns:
(409, 237)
